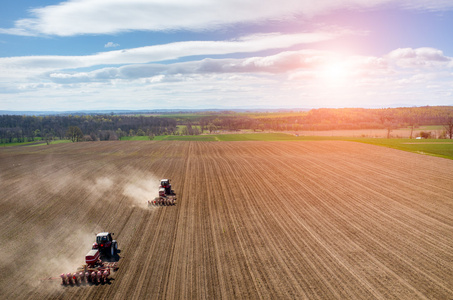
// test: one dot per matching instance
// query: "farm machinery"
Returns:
(167, 196)
(95, 270)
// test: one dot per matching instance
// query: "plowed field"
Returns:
(254, 220)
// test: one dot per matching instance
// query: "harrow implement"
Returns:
(97, 274)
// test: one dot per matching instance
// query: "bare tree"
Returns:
(389, 125)
(120, 133)
(48, 138)
(211, 127)
(449, 126)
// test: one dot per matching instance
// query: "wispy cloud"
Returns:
(77, 17)
(274, 64)
(302, 64)
(111, 45)
(142, 63)
(419, 58)
(246, 44)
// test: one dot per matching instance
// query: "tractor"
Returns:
(95, 271)
(167, 196)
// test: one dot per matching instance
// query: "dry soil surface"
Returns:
(254, 220)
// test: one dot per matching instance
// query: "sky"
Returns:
(224, 54)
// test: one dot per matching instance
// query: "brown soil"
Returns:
(272, 220)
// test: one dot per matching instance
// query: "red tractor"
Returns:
(167, 196)
(105, 244)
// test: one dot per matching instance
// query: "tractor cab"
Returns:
(103, 241)
(103, 238)
(165, 183)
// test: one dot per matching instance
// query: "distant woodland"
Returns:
(21, 128)
(16, 128)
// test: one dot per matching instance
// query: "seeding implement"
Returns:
(94, 271)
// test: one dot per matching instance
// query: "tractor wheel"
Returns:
(112, 251)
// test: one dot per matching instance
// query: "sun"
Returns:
(336, 71)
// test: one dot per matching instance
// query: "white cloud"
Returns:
(432, 5)
(274, 64)
(419, 58)
(168, 51)
(296, 64)
(111, 45)
(227, 90)
(78, 17)
(288, 78)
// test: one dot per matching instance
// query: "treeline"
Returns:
(323, 119)
(16, 128)
(359, 118)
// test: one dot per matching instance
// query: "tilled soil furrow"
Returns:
(414, 236)
(313, 247)
(254, 220)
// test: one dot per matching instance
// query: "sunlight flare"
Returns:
(335, 72)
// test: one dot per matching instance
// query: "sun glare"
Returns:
(334, 72)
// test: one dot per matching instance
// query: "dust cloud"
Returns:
(142, 189)
(101, 185)
(50, 264)
(136, 186)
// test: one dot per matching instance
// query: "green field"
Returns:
(135, 138)
(439, 147)
(52, 143)
(37, 142)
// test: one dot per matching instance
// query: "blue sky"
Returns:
(151, 54)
